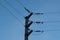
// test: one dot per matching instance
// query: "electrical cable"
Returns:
(52, 22)
(24, 7)
(51, 12)
(11, 13)
(47, 12)
(42, 12)
(52, 30)
(14, 8)
(44, 22)
(20, 3)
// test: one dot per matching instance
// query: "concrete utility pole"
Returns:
(28, 23)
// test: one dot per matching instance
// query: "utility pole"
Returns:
(28, 31)
(27, 25)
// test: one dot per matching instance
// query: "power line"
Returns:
(42, 12)
(23, 6)
(51, 12)
(28, 10)
(20, 3)
(40, 22)
(11, 13)
(14, 8)
(52, 30)
(46, 12)
(51, 22)
(46, 30)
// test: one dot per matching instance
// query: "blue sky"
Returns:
(13, 29)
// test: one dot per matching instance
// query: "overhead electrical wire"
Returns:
(51, 22)
(52, 30)
(46, 30)
(20, 3)
(24, 7)
(44, 22)
(58, 12)
(12, 13)
(14, 8)
(51, 12)
(23, 24)
(42, 12)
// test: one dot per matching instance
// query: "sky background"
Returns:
(12, 28)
